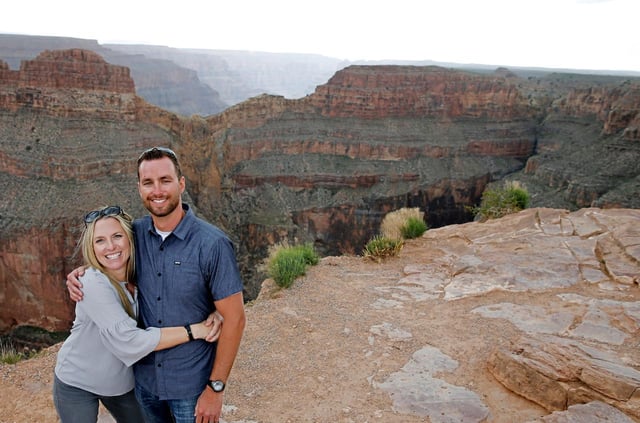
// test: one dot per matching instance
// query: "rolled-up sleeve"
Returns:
(118, 331)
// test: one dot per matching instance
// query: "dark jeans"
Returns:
(75, 405)
(156, 410)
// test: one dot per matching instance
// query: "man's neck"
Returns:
(169, 222)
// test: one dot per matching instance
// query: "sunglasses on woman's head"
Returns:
(107, 211)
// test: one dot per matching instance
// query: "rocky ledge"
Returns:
(534, 317)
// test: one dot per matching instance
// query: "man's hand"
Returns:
(215, 321)
(209, 406)
(74, 286)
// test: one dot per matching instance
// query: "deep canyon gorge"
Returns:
(323, 168)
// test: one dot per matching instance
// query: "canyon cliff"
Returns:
(324, 168)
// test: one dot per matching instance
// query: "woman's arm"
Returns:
(176, 335)
(119, 332)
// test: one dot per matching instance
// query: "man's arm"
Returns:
(209, 406)
(74, 286)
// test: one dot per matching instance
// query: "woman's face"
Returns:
(111, 246)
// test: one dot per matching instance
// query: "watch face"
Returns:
(217, 385)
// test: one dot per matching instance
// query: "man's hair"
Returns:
(156, 153)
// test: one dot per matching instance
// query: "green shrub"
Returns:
(498, 202)
(308, 253)
(285, 263)
(518, 197)
(414, 228)
(381, 247)
(393, 223)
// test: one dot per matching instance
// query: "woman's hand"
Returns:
(209, 329)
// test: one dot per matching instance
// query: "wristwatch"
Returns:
(216, 385)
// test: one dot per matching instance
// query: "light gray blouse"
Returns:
(104, 341)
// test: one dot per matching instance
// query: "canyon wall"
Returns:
(324, 168)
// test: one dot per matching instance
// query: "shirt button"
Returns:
(159, 322)
(159, 274)
(161, 248)
(158, 298)
(159, 364)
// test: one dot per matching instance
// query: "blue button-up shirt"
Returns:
(178, 281)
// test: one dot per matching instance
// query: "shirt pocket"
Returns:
(186, 284)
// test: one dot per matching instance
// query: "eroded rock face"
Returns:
(391, 91)
(69, 83)
(556, 372)
(592, 412)
(81, 69)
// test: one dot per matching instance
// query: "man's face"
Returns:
(159, 186)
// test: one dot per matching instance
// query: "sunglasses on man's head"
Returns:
(165, 150)
(107, 211)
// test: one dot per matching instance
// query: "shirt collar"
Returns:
(183, 227)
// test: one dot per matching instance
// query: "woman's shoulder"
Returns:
(94, 278)
(91, 273)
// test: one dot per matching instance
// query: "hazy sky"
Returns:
(585, 34)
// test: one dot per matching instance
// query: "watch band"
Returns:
(188, 328)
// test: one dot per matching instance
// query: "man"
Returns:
(186, 268)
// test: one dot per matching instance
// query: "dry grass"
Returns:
(391, 226)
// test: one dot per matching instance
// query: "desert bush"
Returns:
(25, 342)
(285, 263)
(414, 228)
(498, 202)
(308, 253)
(381, 247)
(9, 354)
(393, 223)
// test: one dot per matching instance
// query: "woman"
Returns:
(94, 363)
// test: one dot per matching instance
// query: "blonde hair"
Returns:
(90, 258)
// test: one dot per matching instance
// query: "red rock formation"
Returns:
(31, 288)
(75, 68)
(381, 91)
(618, 107)
(69, 83)
(624, 114)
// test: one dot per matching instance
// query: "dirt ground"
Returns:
(309, 355)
